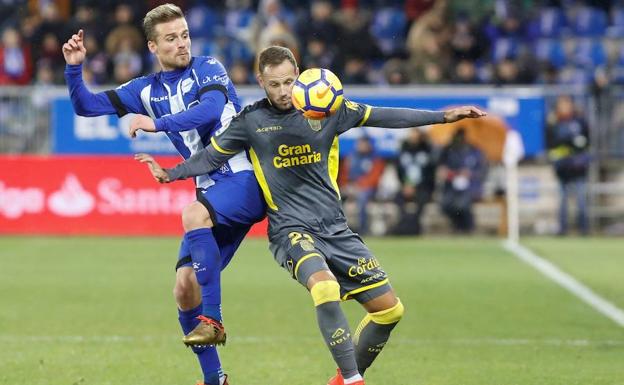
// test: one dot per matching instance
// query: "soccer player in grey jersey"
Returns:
(296, 164)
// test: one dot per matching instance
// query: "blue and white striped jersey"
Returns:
(186, 104)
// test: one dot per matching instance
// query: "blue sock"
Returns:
(207, 265)
(207, 355)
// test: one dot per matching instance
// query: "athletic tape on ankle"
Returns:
(388, 316)
(325, 291)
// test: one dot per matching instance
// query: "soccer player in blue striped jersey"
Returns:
(189, 100)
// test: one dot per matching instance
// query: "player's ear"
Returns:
(259, 79)
(151, 45)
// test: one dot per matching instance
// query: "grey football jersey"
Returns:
(295, 161)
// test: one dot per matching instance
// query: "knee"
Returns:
(389, 316)
(195, 216)
(325, 291)
(186, 293)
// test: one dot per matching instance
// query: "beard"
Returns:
(178, 62)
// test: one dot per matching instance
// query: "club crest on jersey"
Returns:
(315, 125)
(187, 84)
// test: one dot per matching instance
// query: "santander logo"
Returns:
(109, 197)
(71, 200)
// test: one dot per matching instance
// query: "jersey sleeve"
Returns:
(127, 97)
(352, 114)
(211, 76)
(231, 139)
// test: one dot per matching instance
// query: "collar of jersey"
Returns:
(174, 75)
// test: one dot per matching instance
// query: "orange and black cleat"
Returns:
(207, 332)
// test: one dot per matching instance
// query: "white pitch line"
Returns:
(568, 282)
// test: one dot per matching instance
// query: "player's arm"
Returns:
(85, 102)
(226, 143)
(408, 117)
(208, 110)
(203, 162)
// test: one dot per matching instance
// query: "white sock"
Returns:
(353, 379)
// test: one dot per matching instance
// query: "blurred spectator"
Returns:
(270, 26)
(355, 71)
(447, 40)
(51, 22)
(317, 55)
(15, 60)
(50, 52)
(320, 24)
(509, 72)
(427, 43)
(416, 8)
(395, 72)
(465, 73)
(97, 61)
(416, 171)
(240, 74)
(362, 170)
(85, 18)
(466, 44)
(356, 47)
(430, 73)
(126, 61)
(567, 139)
(462, 170)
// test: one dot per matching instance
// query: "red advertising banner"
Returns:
(91, 195)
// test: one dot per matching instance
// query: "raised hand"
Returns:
(141, 122)
(460, 113)
(74, 50)
(157, 172)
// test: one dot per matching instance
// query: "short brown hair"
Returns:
(275, 55)
(161, 14)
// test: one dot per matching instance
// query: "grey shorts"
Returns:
(358, 272)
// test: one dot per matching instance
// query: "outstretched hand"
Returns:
(460, 113)
(74, 50)
(157, 172)
(141, 122)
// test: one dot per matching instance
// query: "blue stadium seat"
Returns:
(589, 21)
(616, 29)
(503, 48)
(237, 20)
(550, 22)
(589, 53)
(203, 21)
(617, 74)
(388, 28)
(572, 75)
(550, 50)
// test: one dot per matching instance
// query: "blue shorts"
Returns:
(235, 203)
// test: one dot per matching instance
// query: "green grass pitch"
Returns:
(98, 311)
